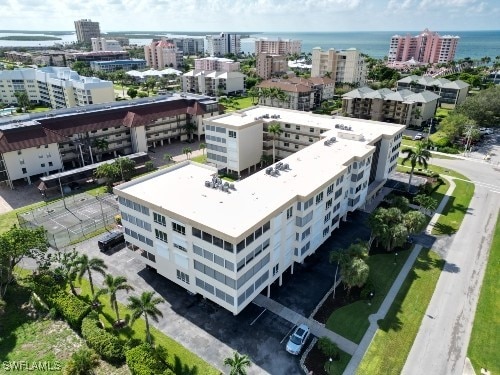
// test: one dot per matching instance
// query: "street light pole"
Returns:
(62, 193)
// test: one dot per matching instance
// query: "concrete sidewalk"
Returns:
(316, 328)
(389, 298)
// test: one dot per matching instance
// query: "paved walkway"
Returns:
(389, 298)
(316, 328)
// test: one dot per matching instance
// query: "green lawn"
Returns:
(390, 347)
(351, 321)
(191, 363)
(430, 167)
(239, 103)
(200, 159)
(485, 337)
(455, 210)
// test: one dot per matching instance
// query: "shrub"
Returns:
(149, 166)
(449, 150)
(118, 219)
(108, 346)
(145, 360)
(328, 348)
(407, 137)
(441, 142)
(71, 308)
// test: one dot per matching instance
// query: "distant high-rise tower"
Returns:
(427, 47)
(86, 30)
(221, 45)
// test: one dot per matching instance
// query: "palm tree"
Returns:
(202, 147)
(167, 158)
(67, 268)
(113, 285)
(274, 128)
(120, 75)
(190, 128)
(264, 93)
(87, 265)
(238, 363)
(82, 362)
(145, 305)
(254, 94)
(418, 156)
(186, 151)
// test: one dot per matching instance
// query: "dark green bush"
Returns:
(144, 360)
(71, 308)
(449, 150)
(107, 345)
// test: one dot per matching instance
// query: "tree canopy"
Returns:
(15, 244)
(483, 107)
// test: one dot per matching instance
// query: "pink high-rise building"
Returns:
(427, 47)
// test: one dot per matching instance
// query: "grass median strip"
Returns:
(392, 342)
(485, 337)
(455, 210)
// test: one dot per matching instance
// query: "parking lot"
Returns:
(214, 333)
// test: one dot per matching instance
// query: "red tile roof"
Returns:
(56, 129)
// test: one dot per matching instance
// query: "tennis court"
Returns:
(72, 218)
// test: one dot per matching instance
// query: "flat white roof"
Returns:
(181, 189)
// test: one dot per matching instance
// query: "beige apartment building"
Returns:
(278, 47)
(401, 107)
(56, 87)
(161, 54)
(220, 64)
(303, 94)
(269, 65)
(86, 30)
(343, 66)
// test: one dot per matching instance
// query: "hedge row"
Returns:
(107, 345)
(70, 307)
(144, 360)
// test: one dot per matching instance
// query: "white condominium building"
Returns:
(222, 44)
(217, 63)
(103, 44)
(57, 87)
(278, 47)
(343, 66)
(230, 241)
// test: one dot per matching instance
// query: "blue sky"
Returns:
(253, 15)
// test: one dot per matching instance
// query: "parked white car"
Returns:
(418, 137)
(297, 339)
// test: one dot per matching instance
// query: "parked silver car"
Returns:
(297, 339)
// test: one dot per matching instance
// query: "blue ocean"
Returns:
(473, 44)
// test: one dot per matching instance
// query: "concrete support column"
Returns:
(281, 280)
(269, 291)
(29, 180)
(114, 153)
(292, 268)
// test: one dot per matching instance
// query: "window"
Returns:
(326, 231)
(180, 247)
(338, 193)
(286, 144)
(21, 161)
(289, 213)
(196, 232)
(159, 219)
(276, 269)
(327, 217)
(297, 136)
(311, 130)
(329, 203)
(308, 204)
(232, 134)
(297, 127)
(42, 165)
(51, 164)
(49, 154)
(162, 236)
(179, 228)
(287, 126)
(310, 139)
(40, 156)
(297, 147)
(287, 135)
(319, 197)
(24, 170)
(19, 152)
(306, 233)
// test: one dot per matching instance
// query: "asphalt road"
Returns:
(443, 338)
